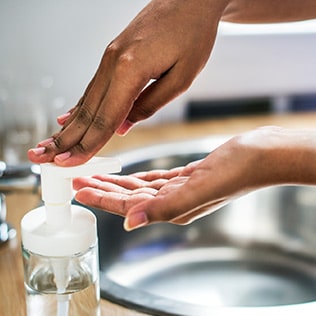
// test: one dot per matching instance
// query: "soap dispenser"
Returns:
(60, 246)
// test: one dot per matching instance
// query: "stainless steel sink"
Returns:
(255, 255)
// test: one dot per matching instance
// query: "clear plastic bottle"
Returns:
(60, 246)
(81, 295)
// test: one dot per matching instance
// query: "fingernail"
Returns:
(135, 220)
(125, 127)
(46, 141)
(63, 156)
(38, 151)
(63, 117)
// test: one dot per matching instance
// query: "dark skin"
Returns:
(168, 42)
(151, 62)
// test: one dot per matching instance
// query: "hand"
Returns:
(151, 62)
(259, 158)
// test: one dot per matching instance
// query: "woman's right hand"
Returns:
(168, 42)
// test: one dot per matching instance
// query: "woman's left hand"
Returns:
(262, 157)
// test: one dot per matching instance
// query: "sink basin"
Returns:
(257, 254)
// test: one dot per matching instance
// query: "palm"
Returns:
(117, 194)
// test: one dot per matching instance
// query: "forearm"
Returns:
(253, 160)
(281, 156)
(269, 11)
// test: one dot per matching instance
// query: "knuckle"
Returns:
(126, 64)
(121, 56)
(124, 55)
(107, 125)
(183, 85)
(180, 222)
(80, 102)
(126, 60)
(58, 142)
(99, 123)
(143, 112)
(124, 202)
(82, 147)
(112, 49)
(84, 115)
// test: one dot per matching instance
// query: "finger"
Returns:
(79, 115)
(190, 167)
(167, 174)
(67, 118)
(115, 106)
(84, 116)
(152, 98)
(152, 211)
(92, 124)
(128, 182)
(158, 174)
(162, 208)
(83, 182)
(199, 212)
(110, 182)
(131, 182)
(80, 183)
(174, 202)
(112, 202)
(62, 119)
(66, 138)
(170, 85)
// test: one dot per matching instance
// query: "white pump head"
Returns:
(61, 229)
(57, 181)
(57, 190)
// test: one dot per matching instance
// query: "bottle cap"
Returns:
(59, 228)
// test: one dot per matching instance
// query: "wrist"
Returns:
(282, 156)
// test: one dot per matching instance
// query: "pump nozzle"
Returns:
(61, 230)
(56, 181)
(57, 190)
(60, 225)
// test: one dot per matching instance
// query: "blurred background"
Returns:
(50, 50)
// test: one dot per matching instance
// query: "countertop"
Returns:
(12, 302)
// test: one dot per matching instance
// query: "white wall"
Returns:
(49, 51)
(52, 48)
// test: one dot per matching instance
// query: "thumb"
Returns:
(163, 208)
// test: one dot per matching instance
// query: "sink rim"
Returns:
(147, 302)
(150, 303)
(204, 144)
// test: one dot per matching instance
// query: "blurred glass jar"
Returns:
(24, 119)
